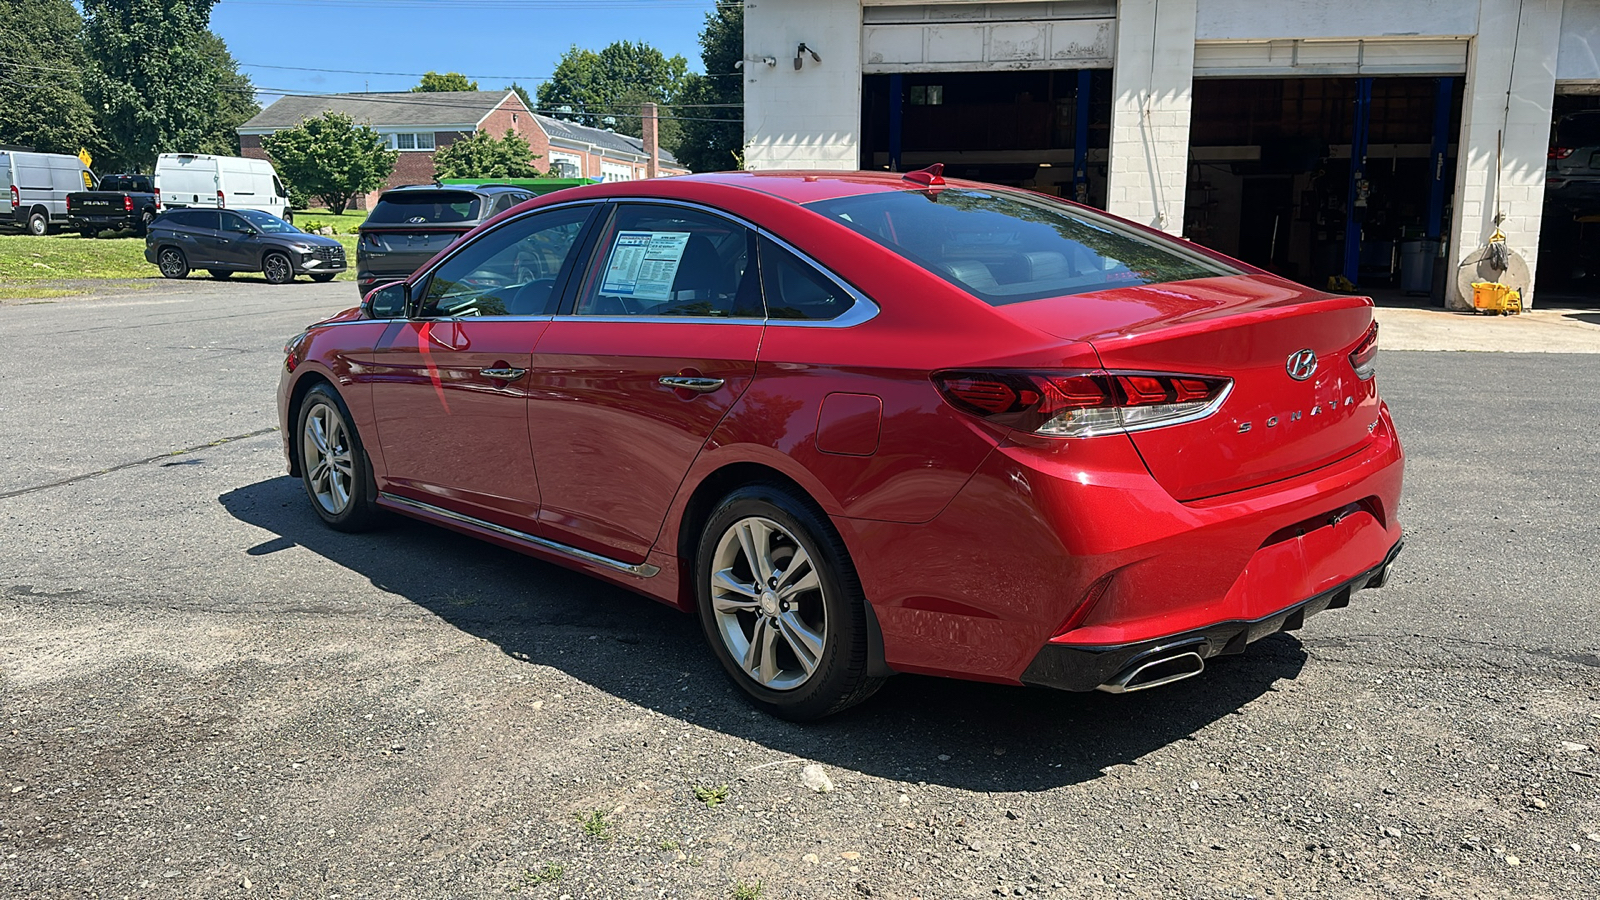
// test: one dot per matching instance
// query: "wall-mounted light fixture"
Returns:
(801, 51)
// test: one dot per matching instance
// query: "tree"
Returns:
(704, 144)
(523, 93)
(332, 158)
(148, 77)
(611, 85)
(234, 98)
(449, 81)
(481, 155)
(41, 91)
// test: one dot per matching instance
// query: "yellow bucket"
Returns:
(1491, 296)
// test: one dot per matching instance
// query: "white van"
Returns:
(229, 182)
(37, 185)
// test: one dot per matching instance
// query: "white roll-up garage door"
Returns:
(1278, 59)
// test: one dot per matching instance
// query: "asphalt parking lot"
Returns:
(204, 693)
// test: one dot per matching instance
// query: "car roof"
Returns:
(457, 188)
(798, 186)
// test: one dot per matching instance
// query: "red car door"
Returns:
(449, 386)
(628, 385)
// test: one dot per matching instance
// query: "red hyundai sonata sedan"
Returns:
(864, 423)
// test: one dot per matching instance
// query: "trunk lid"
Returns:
(1272, 425)
(401, 250)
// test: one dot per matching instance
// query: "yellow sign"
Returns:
(88, 161)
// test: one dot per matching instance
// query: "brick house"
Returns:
(417, 124)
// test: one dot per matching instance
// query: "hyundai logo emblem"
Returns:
(1302, 364)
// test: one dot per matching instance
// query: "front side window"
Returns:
(666, 261)
(235, 223)
(1006, 247)
(512, 271)
(267, 222)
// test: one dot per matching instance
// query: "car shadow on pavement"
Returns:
(961, 734)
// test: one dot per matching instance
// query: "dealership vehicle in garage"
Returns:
(865, 423)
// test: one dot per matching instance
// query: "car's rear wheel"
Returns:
(38, 224)
(277, 268)
(333, 464)
(172, 263)
(143, 228)
(89, 232)
(781, 604)
(220, 274)
(323, 277)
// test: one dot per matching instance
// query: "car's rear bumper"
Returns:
(1078, 546)
(108, 220)
(1085, 667)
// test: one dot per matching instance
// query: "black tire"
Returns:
(323, 277)
(38, 224)
(90, 233)
(143, 228)
(172, 262)
(220, 274)
(839, 676)
(277, 268)
(359, 510)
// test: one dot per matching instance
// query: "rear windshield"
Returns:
(1005, 247)
(425, 208)
(1579, 130)
(132, 184)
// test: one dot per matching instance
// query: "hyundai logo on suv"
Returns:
(1302, 364)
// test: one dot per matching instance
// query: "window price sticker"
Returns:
(644, 264)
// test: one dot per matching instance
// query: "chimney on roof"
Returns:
(651, 133)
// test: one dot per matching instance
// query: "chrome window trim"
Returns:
(669, 320)
(641, 570)
(862, 311)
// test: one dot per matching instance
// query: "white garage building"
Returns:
(1317, 138)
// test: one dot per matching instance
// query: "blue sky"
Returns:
(495, 41)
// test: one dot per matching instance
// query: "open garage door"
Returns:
(1325, 178)
(1569, 233)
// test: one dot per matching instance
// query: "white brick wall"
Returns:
(808, 118)
(1510, 88)
(1151, 97)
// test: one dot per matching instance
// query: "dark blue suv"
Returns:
(225, 241)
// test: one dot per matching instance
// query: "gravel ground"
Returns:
(204, 693)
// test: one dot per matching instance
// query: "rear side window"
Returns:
(193, 218)
(425, 208)
(1005, 247)
(796, 290)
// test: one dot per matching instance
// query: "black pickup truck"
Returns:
(122, 201)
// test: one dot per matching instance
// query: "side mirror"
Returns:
(386, 302)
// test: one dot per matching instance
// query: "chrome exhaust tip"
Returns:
(1155, 673)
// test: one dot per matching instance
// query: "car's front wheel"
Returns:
(277, 268)
(333, 464)
(172, 263)
(781, 604)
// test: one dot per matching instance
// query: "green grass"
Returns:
(25, 258)
(712, 797)
(27, 261)
(595, 825)
(743, 890)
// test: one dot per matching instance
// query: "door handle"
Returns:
(507, 374)
(696, 383)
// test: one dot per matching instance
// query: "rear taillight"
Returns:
(222, 202)
(1082, 404)
(158, 198)
(1559, 152)
(1364, 359)
(69, 203)
(16, 198)
(127, 204)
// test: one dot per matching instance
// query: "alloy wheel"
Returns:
(276, 268)
(172, 264)
(768, 601)
(326, 450)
